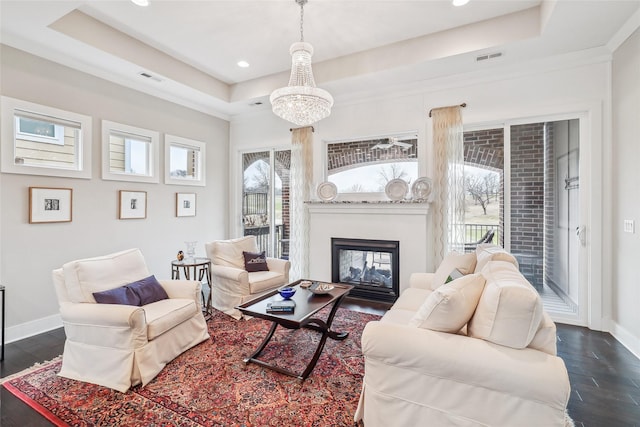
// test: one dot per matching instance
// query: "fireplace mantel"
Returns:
(405, 221)
(374, 207)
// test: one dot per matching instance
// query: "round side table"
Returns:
(198, 268)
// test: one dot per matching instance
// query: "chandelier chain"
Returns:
(302, 20)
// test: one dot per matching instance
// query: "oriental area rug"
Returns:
(210, 385)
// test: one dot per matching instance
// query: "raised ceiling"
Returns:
(191, 48)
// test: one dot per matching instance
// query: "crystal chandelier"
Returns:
(301, 102)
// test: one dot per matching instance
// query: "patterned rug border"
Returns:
(33, 404)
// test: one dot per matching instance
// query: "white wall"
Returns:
(568, 85)
(30, 251)
(626, 199)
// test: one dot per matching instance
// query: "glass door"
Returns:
(265, 200)
(544, 209)
(522, 191)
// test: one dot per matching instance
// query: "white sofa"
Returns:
(232, 283)
(116, 345)
(478, 351)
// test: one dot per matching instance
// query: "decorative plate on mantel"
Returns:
(421, 189)
(327, 191)
(396, 189)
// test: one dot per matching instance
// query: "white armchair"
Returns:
(119, 346)
(232, 284)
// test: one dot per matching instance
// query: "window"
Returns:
(43, 140)
(184, 161)
(129, 153)
(39, 130)
(361, 169)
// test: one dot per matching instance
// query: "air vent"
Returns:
(150, 76)
(488, 56)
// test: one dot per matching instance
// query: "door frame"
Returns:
(592, 296)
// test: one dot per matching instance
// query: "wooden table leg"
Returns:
(314, 324)
(265, 341)
(325, 328)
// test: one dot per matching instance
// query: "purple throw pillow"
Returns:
(148, 290)
(255, 261)
(122, 295)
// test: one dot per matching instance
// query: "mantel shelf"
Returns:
(384, 207)
(367, 202)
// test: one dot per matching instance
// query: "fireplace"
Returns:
(371, 266)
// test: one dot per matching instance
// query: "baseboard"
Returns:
(34, 327)
(626, 338)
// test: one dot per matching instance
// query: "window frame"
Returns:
(9, 107)
(373, 196)
(153, 157)
(178, 141)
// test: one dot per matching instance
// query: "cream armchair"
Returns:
(119, 346)
(232, 284)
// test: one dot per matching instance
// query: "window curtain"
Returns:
(449, 181)
(301, 178)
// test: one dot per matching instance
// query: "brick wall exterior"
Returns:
(527, 197)
(485, 149)
(549, 202)
(347, 155)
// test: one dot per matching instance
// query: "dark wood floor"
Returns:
(605, 376)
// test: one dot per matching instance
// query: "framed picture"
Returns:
(133, 204)
(185, 204)
(50, 204)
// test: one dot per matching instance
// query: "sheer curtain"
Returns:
(301, 178)
(449, 181)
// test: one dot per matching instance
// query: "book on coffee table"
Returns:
(284, 306)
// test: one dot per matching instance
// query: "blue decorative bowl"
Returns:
(286, 292)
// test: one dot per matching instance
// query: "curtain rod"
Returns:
(312, 129)
(464, 104)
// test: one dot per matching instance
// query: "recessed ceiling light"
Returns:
(460, 2)
(140, 2)
(243, 64)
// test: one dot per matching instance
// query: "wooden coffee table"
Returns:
(307, 305)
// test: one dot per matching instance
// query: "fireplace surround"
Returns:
(371, 266)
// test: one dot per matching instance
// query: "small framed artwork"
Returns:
(50, 204)
(133, 205)
(185, 204)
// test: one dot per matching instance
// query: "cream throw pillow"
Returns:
(465, 263)
(449, 308)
